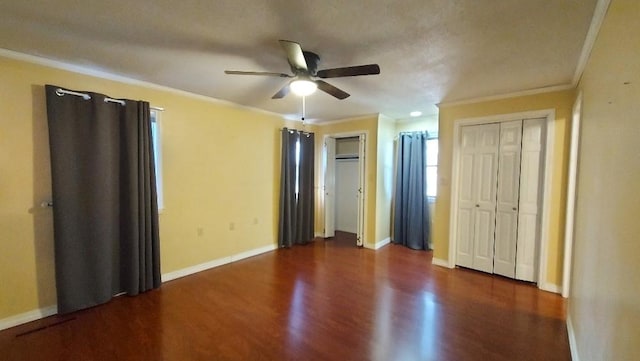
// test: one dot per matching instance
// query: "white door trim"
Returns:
(363, 134)
(549, 114)
(571, 195)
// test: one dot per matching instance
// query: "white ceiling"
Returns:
(429, 51)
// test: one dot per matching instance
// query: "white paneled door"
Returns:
(530, 194)
(477, 201)
(499, 181)
(508, 194)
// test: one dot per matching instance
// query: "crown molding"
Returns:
(599, 13)
(73, 68)
(549, 89)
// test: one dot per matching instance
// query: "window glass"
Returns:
(157, 154)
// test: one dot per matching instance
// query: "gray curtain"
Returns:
(411, 210)
(104, 196)
(296, 219)
(305, 208)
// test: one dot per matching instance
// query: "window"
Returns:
(432, 167)
(157, 154)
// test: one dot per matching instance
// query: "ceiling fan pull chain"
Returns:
(303, 108)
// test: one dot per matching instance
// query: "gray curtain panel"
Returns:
(288, 218)
(296, 222)
(104, 195)
(411, 212)
(305, 210)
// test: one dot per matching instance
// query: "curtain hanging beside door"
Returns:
(296, 221)
(104, 194)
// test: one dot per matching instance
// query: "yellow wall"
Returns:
(562, 102)
(428, 123)
(384, 177)
(368, 125)
(211, 179)
(604, 304)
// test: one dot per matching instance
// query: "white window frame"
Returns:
(156, 136)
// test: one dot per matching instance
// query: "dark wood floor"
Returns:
(324, 301)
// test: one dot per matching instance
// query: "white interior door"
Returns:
(329, 187)
(485, 178)
(507, 198)
(533, 132)
(477, 198)
(361, 179)
(466, 198)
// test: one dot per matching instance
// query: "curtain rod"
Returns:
(296, 130)
(60, 92)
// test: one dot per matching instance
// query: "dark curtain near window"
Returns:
(411, 207)
(296, 220)
(305, 209)
(104, 195)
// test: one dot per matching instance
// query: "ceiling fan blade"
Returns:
(265, 73)
(370, 69)
(282, 92)
(330, 89)
(294, 55)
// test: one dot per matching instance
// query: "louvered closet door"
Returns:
(508, 195)
(477, 197)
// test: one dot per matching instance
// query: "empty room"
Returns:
(337, 180)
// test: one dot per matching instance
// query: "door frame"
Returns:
(572, 179)
(542, 257)
(362, 180)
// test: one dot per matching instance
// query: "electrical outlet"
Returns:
(200, 231)
(232, 226)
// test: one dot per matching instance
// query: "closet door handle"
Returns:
(477, 205)
(514, 208)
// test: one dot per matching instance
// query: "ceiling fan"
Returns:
(304, 65)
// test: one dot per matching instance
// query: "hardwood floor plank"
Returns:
(324, 301)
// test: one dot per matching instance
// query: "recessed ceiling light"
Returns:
(415, 114)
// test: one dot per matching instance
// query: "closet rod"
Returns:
(60, 92)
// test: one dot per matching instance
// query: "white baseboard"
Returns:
(440, 262)
(166, 277)
(29, 316)
(378, 245)
(39, 313)
(573, 346)
(550, 287)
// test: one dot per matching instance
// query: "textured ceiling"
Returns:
(429, 51)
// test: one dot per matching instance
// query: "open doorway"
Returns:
(343, 159)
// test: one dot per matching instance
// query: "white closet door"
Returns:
(530, 183)
(486, 171)
(477, 198)
(361, 175)
(329, 187)
(507, 198)
(466, 198)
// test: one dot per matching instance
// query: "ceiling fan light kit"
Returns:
(303, 87)
(304, 65)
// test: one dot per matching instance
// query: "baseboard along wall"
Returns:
(47, 311)
(573, 346)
